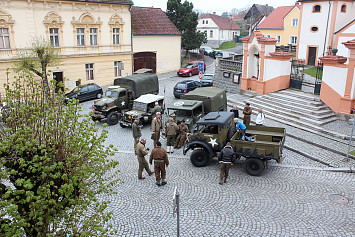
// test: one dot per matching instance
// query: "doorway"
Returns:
(144, 60)
(312, 54)
(58, 77)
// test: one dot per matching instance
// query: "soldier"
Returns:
(183, 129)
(141, 151)
(226, 158)
(156, 127)
(235, 111)
(160, 158)
(173, 116)
(170, 131)
(247, 112)
(157, 108)
(136, 130)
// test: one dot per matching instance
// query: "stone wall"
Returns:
(225, 71)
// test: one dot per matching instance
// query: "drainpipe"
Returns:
(326, 29)
(132, 60)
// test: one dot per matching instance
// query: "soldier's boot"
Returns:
(157, 183)
(172, 149)
(220, 181)
(163, 182)
(168, 149)
(225, 180)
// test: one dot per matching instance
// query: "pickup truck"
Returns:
(215, 129)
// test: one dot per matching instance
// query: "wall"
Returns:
(335, 78)
(276, 68)
(168, 49)
(345, 35)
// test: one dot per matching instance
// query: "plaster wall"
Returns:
(210, 24)
(335, 78)
(269, 49)
(342, 50)
(342, 18)
(167, 48)
(353, 85)
(276, 68)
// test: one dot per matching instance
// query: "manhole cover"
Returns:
(338, 199)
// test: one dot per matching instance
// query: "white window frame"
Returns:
(80, 36)
(294, 22)
(118, 67)
(278, 37)
(116, 35)
(211, 33)
(293, 40)
(93, 36)
(5, 38)
(89, 69)
(54, 37)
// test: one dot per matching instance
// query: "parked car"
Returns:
(207, 80)
(216, 53)
(85, 92)
(189, 69)
(185, 86)
(205, 50)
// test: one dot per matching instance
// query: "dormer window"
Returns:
(206, 21)
(343, 8)
(203, 21)
(316, 8)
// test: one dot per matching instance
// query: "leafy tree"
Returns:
(185, 19)
(37, 59)
(53, 165)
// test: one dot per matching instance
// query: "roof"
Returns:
(262, 10)
(185, 104)
(223, 23)
(276, 19)
(345, 26)
(216, 118)
(238, 17)
(208, 92)
(122, 2)
(151, 21)
(149, 98)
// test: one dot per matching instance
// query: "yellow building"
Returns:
(94, 37)
(282, 24)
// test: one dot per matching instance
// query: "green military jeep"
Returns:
(217, 128)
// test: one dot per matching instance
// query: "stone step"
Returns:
(300, 94)
(297, 110)
(292, 100)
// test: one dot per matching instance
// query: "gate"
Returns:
(297, 76)
(319, 75)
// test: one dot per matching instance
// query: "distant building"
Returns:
(255, 14)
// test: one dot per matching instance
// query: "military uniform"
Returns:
(160, 158)
(183, 129)
(170, 131)
(156, 127)
(156, 109)
(247, 112)
(136, 130)
(226, 158)
(141, 151)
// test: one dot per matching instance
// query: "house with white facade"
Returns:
(218, 29)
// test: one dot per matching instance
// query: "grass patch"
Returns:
(227, 45)
(312, 71)
(352, 153)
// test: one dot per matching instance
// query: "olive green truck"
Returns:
(215, 129)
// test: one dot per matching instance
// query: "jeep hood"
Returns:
(134, 113)
(104, 101)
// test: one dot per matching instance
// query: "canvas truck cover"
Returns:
(213, 98)
(142, 83)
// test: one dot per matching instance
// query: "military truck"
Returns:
(119, 98)
(195, 104)
(142, 107)
(214, 130)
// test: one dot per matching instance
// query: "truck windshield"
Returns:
(139, 106)
(111, 94)
(184, 113)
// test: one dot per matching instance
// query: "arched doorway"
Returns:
(144, 60)
(253, 64)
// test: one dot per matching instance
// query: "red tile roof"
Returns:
(151, 21)
(223, 23)
(276, 19)
(239, 16)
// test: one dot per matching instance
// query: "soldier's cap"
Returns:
(173, 115)
(183, 121)
(158, 113)
(156, 103)
(143, 140)
(158, 143)
(247, 103)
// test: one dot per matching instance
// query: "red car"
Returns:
(189, 69)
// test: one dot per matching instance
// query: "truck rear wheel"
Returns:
(113, 118)
(254, 166)
(199, 158)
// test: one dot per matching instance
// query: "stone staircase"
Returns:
(294, 108)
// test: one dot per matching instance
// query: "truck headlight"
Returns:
(129, 116)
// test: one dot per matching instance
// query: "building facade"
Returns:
(94, 38)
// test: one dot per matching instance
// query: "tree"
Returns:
(53, 165)
(185, 19)
(37, 59)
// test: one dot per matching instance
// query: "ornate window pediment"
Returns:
(53, 19)
(6, 20)
(86, 19)
(116, 20)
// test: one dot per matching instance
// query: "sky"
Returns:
(218, 6)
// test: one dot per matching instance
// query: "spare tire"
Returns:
(254, 166)
(231, 133)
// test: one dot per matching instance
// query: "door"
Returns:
(312, 52)
(144, 60)
(83, 94)
(58, 77)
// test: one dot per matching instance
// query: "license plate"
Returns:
(180, 73)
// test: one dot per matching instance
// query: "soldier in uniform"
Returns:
(136, 130)
(141, 152)
(183, 129)
(170, 131)
(156, 127)
(226, 158)
(247, 112)
(157, 108)
(160, 158)
(173, 116)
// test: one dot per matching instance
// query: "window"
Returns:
(93, 36)
(316, 8)
(293, 39)
(295, 22)
(116, 35)
(211, 33)
(89, 68)
(203, 21)
(278, 37)
(206, 21)
(205, 32)
(54, 37)
(314, 28)
(80, 36)
(269, 36)
(343, 8)
(4, 38)
(118, 67)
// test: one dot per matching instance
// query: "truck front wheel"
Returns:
(199, 158)
(113, 118)
(254, 166)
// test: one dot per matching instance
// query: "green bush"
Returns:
(227, 45)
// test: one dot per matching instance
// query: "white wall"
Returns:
(335, 77)
(276, 68)
(353, 87)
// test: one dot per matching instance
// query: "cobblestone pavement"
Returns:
(284, 201)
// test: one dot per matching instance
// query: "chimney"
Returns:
(214, 13)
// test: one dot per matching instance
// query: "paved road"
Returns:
(283, 202)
